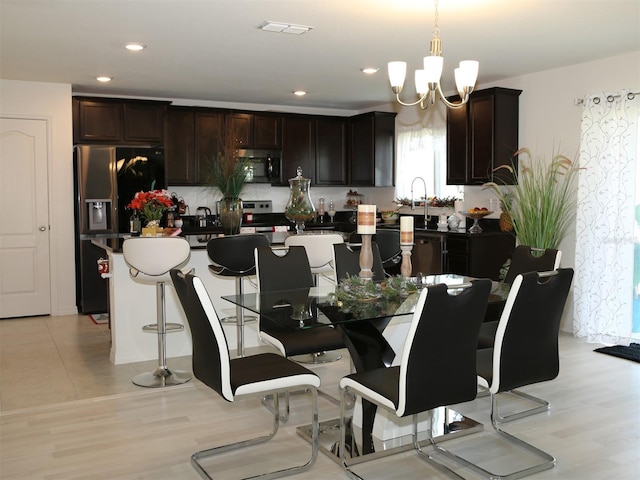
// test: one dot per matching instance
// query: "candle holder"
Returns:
(405, 267)
(366, 257)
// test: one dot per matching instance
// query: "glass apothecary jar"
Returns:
(300, 208)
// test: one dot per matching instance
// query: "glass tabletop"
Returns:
(318, 306)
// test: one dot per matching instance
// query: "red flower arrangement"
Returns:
(152, 204)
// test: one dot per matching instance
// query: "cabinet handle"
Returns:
(42, 228)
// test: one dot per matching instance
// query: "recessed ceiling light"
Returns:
(369, 70)
(135, 47)
(280, 27)
(299, 93)
(104, 79)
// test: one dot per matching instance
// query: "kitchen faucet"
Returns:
(413, 203)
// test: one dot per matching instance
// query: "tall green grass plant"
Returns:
(543, 202)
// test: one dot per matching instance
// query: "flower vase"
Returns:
(230, 215)
(152, 229)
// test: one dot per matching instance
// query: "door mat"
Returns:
(632, 352)
(100, 318)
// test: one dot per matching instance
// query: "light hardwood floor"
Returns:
(67, 413)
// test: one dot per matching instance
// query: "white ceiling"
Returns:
(211, 49)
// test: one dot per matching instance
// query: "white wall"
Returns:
(52, 102)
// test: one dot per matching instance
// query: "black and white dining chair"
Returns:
(438, 364)
(232, 379)
(524, 259)
(347, 262)
(287, 272)
(525, 352)
(388, 241)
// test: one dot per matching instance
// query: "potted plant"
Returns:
(228, 174)
(542, 203)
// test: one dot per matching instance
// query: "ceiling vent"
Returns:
(280, 27)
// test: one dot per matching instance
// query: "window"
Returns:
(422, 152)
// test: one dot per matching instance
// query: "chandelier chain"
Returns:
(436, 27)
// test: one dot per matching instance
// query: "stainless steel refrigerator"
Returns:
(106, 179)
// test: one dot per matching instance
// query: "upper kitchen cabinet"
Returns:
(331, 150)
(372, 149)
(298, 149)
(118, 121)
(241, 124)
(256, 130)
(191, 139)
(481, 136)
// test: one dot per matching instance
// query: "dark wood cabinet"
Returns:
(478, 255)
(331, 151)
(372, 149)
(298, 149)
(191, 140)
(241, 124)
(481, 136)
(267, 131)
(118, 121)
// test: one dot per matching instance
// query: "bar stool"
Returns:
(232, 256)
(319, 248)
(150, 260)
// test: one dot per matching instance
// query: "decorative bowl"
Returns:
(389, 216)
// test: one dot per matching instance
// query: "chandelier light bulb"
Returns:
(397, 74)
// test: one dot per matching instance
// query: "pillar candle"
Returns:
(366, 219)
(406, 230)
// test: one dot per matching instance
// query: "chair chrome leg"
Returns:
(541, 405)
(268, 403)
(429, 458)
(198, 456)
(548, 461)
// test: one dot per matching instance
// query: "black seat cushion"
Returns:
(232, 255)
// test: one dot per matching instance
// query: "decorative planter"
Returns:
(230, 215)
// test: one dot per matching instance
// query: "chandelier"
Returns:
(428, 79)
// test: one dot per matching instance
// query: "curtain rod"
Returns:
(610, 98)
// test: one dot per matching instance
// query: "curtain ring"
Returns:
(596, 100)
(610, 98)
(631, 96)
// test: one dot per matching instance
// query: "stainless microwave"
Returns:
(262, 166)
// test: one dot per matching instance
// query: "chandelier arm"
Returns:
(449, 104)
(420, 100)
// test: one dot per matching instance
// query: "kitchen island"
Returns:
(132, 305)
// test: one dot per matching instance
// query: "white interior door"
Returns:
(24, 231)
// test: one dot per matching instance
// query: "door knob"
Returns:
(43, 228)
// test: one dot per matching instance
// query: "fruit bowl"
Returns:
(475, 215)
(389, 216)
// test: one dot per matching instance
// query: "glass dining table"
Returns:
(373, 330)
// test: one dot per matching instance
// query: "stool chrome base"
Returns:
(161, 377)
(233, 319)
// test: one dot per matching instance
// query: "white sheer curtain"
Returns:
(422, 153)
(605, 218)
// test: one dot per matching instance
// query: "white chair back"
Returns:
(319, 248)
(151, 258)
